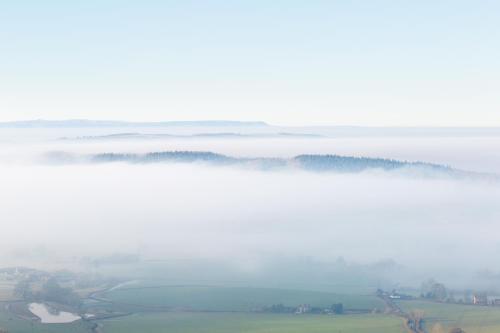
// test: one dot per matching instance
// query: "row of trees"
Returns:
(51, 292)
(434, 290)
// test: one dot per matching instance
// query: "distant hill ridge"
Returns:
(308, 162)
(215, 135)
(327, 130)
(82, 123)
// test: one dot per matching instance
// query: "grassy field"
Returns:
(202, 298)
(473, 319)
(148, 303)
(252, 323)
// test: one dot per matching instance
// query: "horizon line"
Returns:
(115, 123)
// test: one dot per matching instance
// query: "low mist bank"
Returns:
(475, 153)
(441, 227)
(191, 211)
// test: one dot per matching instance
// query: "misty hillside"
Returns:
(311, 162)
(357, 164)
(169, 156)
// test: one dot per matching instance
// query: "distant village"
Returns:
(36, 285)
(435, 291)
(334, 309)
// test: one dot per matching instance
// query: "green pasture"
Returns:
(252, 323)
(205, 298)
(441, 317)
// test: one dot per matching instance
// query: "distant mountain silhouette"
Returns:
(76, 123)
(222, 135)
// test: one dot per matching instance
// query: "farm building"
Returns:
(480, 299)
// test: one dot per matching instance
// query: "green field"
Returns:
(439, 317)
(252, 323)
(235, 304)
(473, 319)
(203, 298)
(231, 312)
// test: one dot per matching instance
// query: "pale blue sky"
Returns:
(371, 62)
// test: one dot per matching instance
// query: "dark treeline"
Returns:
(317, 163)
(358, 164)
(168, 156)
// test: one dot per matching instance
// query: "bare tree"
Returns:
(457, 330)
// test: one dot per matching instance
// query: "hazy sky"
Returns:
(371, 62)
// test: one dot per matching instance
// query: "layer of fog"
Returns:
(480, 154)
(434, 227)
(191, 211)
